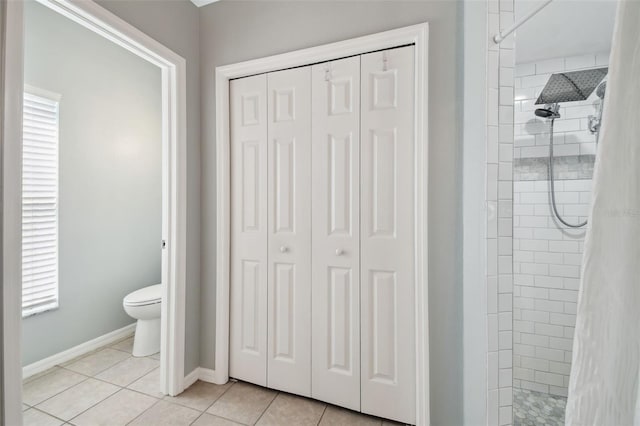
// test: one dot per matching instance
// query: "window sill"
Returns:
(40, 310)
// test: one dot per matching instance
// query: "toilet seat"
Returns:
(150, 295)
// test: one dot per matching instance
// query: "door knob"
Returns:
(339, 252)
(283, 249)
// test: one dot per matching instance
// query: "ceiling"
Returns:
(564, 28)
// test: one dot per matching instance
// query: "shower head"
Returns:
(549, 111)
(601, 89)
(546, 113)
(571, 86)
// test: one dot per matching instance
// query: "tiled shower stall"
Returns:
(533, 262)
(547, 255)
(499, 230)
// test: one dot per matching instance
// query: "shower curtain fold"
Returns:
(603, 387)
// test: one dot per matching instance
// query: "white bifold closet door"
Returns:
(336, 232)
(249, 222)
(289, 235)
(322, 232)
(387, 301)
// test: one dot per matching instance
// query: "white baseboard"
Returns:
(205, 374)
(208, 375)
(192, 377)
(76, 351)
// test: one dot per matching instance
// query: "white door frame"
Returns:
(416, 35)
(174, 138)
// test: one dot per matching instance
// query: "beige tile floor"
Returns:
(110, 387)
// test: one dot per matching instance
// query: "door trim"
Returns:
(174, 141)
(11, 212)
(417, 35)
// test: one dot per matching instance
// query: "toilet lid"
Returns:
(145, 296)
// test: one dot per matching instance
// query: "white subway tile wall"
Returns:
(546, 275)
(499, 199)
(571, 133)
(547, 256)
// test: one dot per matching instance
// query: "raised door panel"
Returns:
(336, 232)
(387, 235)
(289, 230)
(248, 289)
(342, 293)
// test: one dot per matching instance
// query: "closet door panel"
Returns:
(248, 292)
(335, 230)
(289, 235)
(387, 235)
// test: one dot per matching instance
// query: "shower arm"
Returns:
(498, 38)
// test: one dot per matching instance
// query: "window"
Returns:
(40, 201)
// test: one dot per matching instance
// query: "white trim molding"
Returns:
(11, 210)
(42, 93)
(192, 377)
(76, 351)
(174, 139)
(209, 375)
(200, 373)
(201, 3)
(417, 35)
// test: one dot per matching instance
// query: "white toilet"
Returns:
(144, 305)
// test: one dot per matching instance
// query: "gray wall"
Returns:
(475, 217)
(233, 31)
(110, 190)
(174, 23)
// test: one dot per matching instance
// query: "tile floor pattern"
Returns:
(110, 387)
(531, 408)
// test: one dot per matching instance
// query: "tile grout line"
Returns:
(84, 374)
(123, 386)
(63, 390)
(48, 414)
(164, 398)
(323, 411)
(168, 398)
(197, 418)
(120, 388)
(33, 378)
(99, 372)
(114, 365)
(43, 374)
(155, 400)
(228, 419)
(221, 395)
(144, 394)
(78, 358)
(89, 408)
(268, 406)
(86, 378)
(202, 413)
(141, 414)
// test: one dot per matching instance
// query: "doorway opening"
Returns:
(173, 137)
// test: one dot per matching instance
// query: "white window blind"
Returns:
(40, 202)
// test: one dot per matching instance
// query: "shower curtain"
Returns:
(603, 387)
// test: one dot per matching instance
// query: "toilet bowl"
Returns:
(144, 305)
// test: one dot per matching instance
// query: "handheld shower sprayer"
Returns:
(549, 111)
(595, 121)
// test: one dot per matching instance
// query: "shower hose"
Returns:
(552, 191)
